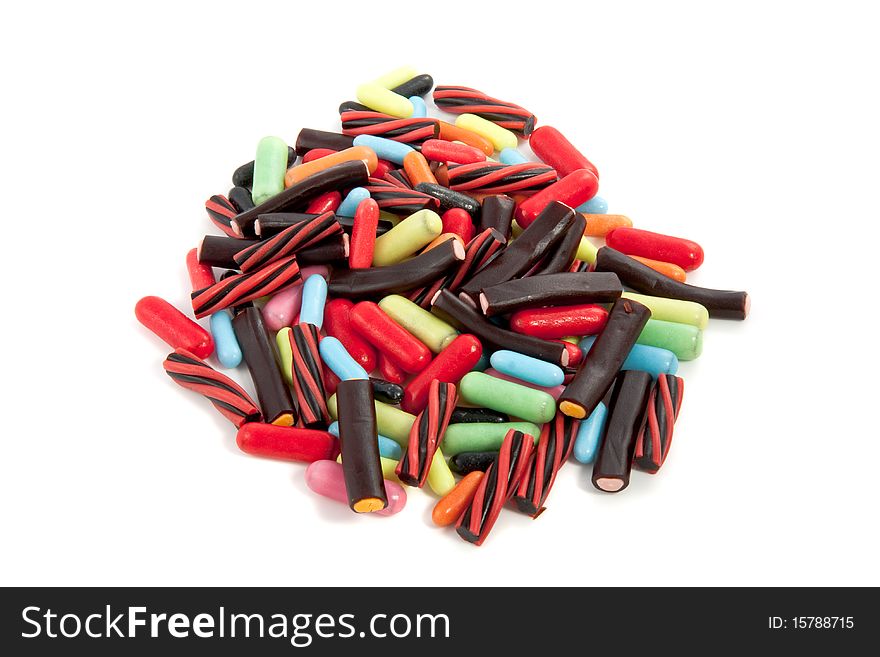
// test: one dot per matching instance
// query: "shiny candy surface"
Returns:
(176, 329)
(577, 187)
(636, 242)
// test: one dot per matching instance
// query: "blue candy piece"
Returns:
(225, 342)
(386, 149)
(420, 110)
(511, 156)
(596, 205)
(314, 295)
(351, 202)
(340, 362)
(526, 368)
(586, 443)
(642, 357)
(387, 447)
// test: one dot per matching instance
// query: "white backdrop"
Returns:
(752, 130)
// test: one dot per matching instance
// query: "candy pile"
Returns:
(503, 339)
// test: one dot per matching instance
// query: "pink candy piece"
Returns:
(282, 309)
(554, 392)
(325, 478)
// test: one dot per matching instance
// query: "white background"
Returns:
(751, 129)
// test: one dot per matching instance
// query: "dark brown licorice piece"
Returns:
(479, 252)
(272, 393)
(449, 199)
(269, 225)
(613, 463)
(527, 250)
(426, 433)
(341, 176)
(309, 139)
(398, 199)
(497, 212)
(218, 251)
(471, 321)
(308, 375)
(496, 487)
(361, 466)
(467, 462)
(554, 448)
(599, 367)
(564, 289)
(221, 211)
(724, 304)
(243, 176)
(563, 254)
(399, 277)
(655, 436)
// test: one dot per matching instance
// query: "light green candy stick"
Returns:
(427, 327)
(407, 237)
(684, 340)
(285, 354)
(390, 421)
(673, 310)
(270, 165)
(440, 477)
(586, 251)
(507, 397)
(482, 436)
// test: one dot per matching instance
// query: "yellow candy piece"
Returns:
(407, 237)
(586, 251)
(396, 77)
(440, 477)
(500, 137)
(380, 99)
(426, 326)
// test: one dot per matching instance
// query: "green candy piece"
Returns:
(390, 421)
(440, 477)
(270, 165)
(482, 436)
(285, 354)
(428, 328)
(673, 310)
(407, 237)
(684, 340)
(586, 251)
(507, 397)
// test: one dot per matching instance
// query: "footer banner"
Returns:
(429, 621)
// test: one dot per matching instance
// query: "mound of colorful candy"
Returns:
(504, 341)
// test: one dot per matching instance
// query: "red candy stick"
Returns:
(382, 169)
(363, 235)
(175, 328)
(317, 154)
(636, 242)
(554, 149)
(326, 202)
(200, 275)
(560, 321)
(390, 371)
(337, 322)
(576, 188)
(458, 221)
(330, 380)
(287, 443)
(457, 359)
(389, 337)
(440, 150)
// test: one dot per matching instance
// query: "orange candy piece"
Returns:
(674, 272)
(599, 225)
(417, 169)
(451, 132)
(452, 505)
(303, 171)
